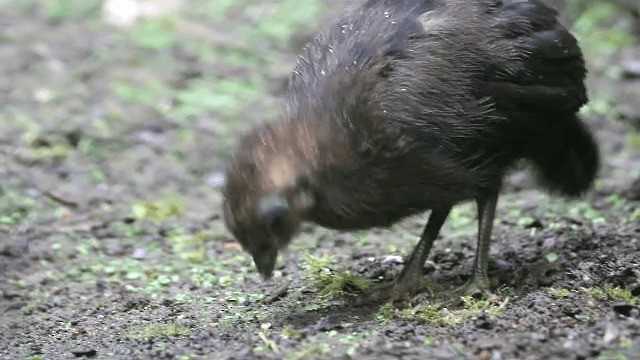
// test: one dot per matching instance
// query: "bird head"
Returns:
(263, 216)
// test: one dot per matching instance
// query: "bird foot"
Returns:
(400, 290)
(475, 288)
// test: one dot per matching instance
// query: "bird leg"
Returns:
(479, 283)
(409, 282)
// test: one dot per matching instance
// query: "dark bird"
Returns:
(404, 106)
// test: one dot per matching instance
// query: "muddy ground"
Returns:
(112, 141)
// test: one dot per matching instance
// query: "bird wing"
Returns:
(549, 73)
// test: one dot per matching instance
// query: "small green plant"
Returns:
(158, 210)
(551, 257)
(436, 313)
(157, 330)
(328, 282)
(473, 306)
(559, 293)
(618, 293)
(612, 292)
(595, 292)
(588, 318)
(385, 313)
(432, 313)
(190, 247)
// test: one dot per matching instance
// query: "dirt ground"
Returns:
(112, 141)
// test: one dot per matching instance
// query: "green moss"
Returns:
(612, 292)
(437, 314)
(618, 293)
(191, 247)
(433, 313)
(158, 210)
(559, 293)
(329, 282)
(595, 292)
(473, 306)
(385, 313)
(157, 330)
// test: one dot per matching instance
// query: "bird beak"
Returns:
(266, 262)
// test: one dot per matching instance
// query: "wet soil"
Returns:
(112, 142)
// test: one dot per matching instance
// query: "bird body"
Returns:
(404, 106)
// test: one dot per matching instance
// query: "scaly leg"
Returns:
(479, 283)
(409, 281)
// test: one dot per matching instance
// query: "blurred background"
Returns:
(114, 99)
(170, 83)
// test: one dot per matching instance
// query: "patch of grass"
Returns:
(157, 330)
(585, 211)
(331, 283)
(595, 292)
(385, 313)
(618, 293)
(473, 306)
(616, 201)
(612, 292)
(559, 293)
(190, 247)
(158, 210)
(436, 313)
(432, 313)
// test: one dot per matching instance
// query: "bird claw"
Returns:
(476, 288)
(396, 291)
